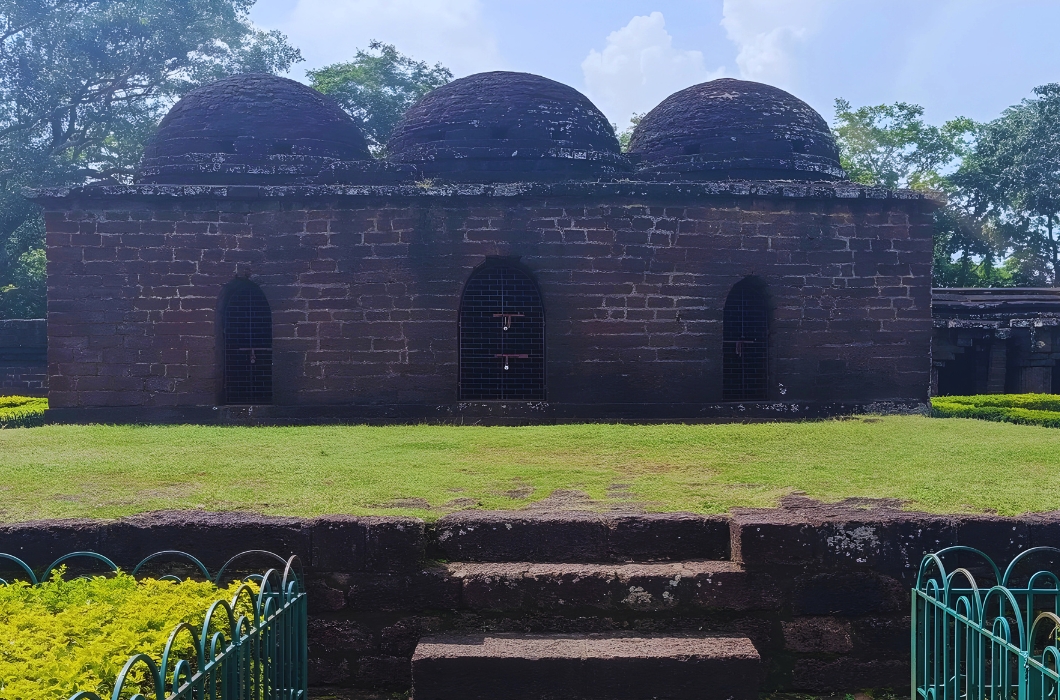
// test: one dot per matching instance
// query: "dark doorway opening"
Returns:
(247, 328)
(502, 336)
(745, 342)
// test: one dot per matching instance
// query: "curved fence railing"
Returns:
(982, 633)
(251, 647)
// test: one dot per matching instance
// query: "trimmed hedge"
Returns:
(22, 411)
(1024, 409)
(61, 637)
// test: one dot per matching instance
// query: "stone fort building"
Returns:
(505, 262)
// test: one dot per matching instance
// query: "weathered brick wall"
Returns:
(23, 357)
(365, 288)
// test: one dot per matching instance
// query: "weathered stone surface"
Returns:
(803, 532)
(834, 613)
(527, 667)
(730, 128)
(327, 593)
(518, 536)
(499, 126)
(427, 589)
(328, 636)
(393, 544)
(584, 537)
(212, 537)
(847, 674)
(818, 635)
(364, 286)
(251, 129)
(645, 587)
(667, 537)
(401, 638)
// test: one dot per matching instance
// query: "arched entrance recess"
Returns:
(502, 336)
(247, 330)
(745, 342)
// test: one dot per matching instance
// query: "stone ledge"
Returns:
(559, 588)
(484, 413)
(782, 189)
(585, 666)
(492, 536)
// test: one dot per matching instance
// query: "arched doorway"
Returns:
(247, 329)
(502, 336)
(745, 342)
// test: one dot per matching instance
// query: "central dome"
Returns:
(251, 129)
(504, 126)
(735, 129)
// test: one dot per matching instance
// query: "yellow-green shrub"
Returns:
(1026, 409)
(22, 411)
(61, 637)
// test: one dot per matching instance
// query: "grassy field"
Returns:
(939, 465)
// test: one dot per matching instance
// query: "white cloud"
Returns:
(450, 31)
(769, 34)
(639, 67)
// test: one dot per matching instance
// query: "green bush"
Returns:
(1025, 409)
(60, 637)
(22, 411)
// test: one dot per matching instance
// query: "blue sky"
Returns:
(955, 57)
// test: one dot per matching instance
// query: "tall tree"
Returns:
(83, 84)
(378, 86)
(1012, 180)
(892, 146)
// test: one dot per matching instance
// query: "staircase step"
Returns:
(594, 667)
(641, 587)
(593, 537)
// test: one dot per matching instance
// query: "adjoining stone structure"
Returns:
(23, 357)
(362, 280)
(996, 341)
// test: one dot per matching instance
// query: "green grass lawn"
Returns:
(940, 465)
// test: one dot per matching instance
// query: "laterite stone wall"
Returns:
(823, 591)
(365, 285)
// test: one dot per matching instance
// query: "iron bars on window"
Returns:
(502, 336)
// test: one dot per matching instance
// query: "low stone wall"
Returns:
(822, 591)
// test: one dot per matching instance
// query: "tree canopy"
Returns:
(892, 145)
(998, 183)
(83, 83)
(378, 86)
(1011, 180)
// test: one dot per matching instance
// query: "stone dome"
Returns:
(251, 129)
(504, 126)
(735, 129)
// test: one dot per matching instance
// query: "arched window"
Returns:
(247, 328)
(502, 336)
(745, 342)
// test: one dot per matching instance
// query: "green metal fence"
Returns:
(258, 656)
(978, 632)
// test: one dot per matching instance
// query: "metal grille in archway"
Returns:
(745, 342)
(502, 337)
(248, 346)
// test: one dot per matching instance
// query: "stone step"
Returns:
(593, 667)
(506, 586)
(576, 536)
